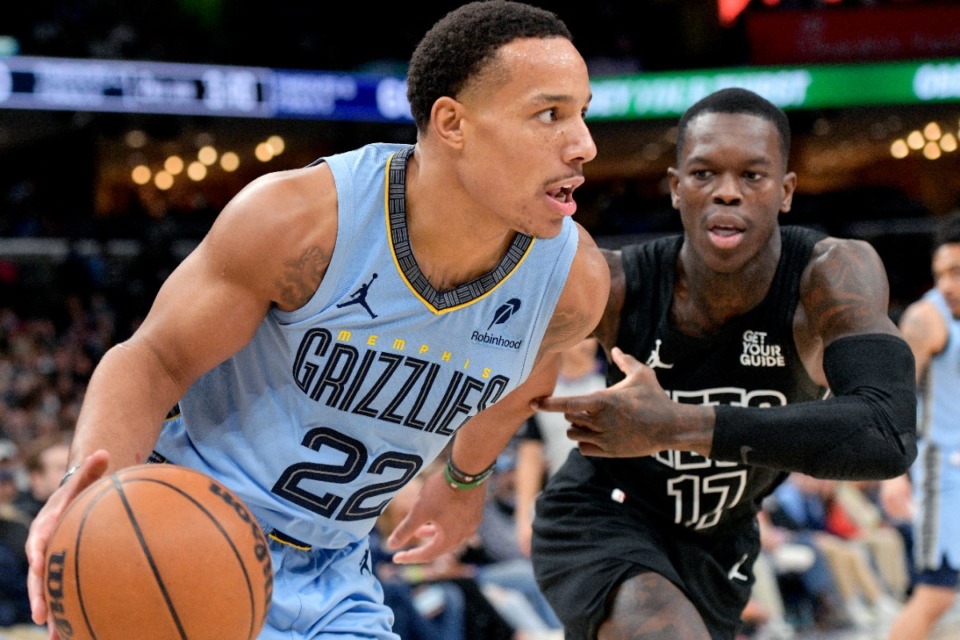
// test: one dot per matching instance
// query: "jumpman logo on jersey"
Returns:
(654, 360)
(360, 297)
(365, 563)
(734, 573)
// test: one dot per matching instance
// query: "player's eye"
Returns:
(549, 115)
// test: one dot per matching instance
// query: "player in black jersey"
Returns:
(768, 349)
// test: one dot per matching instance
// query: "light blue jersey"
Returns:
(936, 473)
(331, 408)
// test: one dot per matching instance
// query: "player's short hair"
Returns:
(460, 45)
(948, 230)
(737, 100)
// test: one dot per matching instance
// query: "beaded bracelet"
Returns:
(462, 481)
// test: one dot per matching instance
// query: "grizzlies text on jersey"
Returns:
(358, 389)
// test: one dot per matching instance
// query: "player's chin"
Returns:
(545, 230)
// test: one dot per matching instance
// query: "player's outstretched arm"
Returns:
(866, 429)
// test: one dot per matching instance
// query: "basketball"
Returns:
(158, 551)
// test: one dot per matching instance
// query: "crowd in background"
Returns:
(833, 560)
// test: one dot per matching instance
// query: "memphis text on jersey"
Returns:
(391, 385)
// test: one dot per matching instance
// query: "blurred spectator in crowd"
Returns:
(14, 605)
(441, 599)
(46, 462)
(504, 570)
(803, 574)
(804, 503)
(858, 504)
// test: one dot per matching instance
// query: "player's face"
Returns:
(946, 272)
(730, 187)
(524, 137)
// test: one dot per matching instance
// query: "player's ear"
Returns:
(788, 188)
(673, 177)
(446, 119)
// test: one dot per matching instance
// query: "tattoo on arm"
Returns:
(301, 277)
(846, 291)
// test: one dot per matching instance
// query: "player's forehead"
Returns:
(537, 69)
(728, 135)
(946, 257)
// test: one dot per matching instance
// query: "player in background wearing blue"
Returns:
(931, 326)
(473, 277)
(650, 529)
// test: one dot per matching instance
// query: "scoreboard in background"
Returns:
(255, 92)
(193, 89)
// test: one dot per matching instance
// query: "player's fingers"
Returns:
(626, 363)
(38, 604)
(429, 549)
(407, 530)
(91, 470)
(582, 435)
(572, 405)
(401, 534)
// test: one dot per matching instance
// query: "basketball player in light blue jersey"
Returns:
(341, 322)
(931, 326)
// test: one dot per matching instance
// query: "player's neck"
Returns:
(704, 299)
(451, 242)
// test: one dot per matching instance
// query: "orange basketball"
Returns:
(158, 551)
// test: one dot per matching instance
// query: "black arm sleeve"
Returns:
(866, 431)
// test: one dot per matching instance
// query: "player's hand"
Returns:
(42, 527)
(442, 518)
(632, 418)
(896, 498)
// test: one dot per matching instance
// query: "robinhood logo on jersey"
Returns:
(503, 314)
(757, 353)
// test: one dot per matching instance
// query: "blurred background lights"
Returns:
(173, 165)
(141, 174)
(948, 142)
(931, 150)
(207, 155)
(197, 171)
(932, 131)
(915, 140)
(163, 180)
(263, 152)
(277, 144)
(229, 161)
(135, 139)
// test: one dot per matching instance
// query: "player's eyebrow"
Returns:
(558, 97)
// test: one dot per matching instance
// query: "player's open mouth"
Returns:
(725, 237)
(725, 232)
(563, 194)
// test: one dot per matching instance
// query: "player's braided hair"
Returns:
(460, 45)
(737, 100)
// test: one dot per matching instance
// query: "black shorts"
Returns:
(585, 543)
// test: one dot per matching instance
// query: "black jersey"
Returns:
(751, 361)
